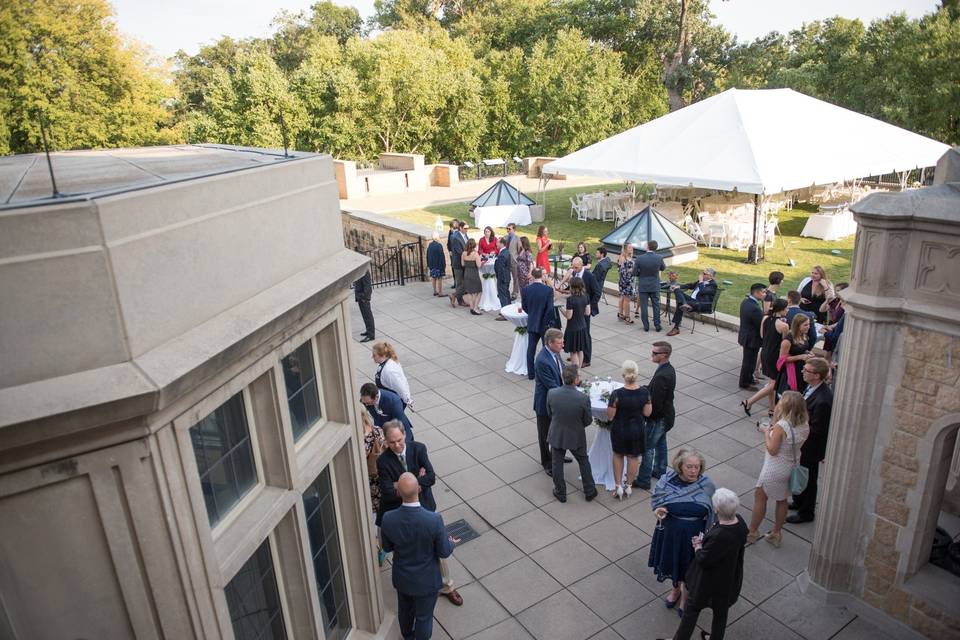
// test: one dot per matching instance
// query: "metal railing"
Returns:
(390, 265)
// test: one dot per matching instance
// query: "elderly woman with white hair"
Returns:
(716, 573)
(628, 408)
(681, 501)
(436, 264)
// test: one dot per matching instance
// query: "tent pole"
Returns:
(753, 252)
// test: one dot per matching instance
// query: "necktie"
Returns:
(403, 461)
(556, 357)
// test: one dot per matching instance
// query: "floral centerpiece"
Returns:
(487, 276)
(520, 330)
(603, 424)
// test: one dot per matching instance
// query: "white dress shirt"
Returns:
(393, 378)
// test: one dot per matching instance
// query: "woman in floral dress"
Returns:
(625, 284)
(524, 263)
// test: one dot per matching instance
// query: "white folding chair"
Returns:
(574, 207)
(620, 215)
(694, 230)
(716, 234)
(770, 233)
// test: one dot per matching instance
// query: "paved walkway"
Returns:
(573, 571)
(462, 191)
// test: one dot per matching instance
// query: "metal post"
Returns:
(753, 252)
(46, 151)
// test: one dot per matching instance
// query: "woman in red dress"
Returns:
(543, 250)
(488, 243)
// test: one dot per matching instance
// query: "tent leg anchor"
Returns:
(754, 255)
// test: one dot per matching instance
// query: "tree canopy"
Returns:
(452, 79)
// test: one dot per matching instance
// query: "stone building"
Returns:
(180, 449)
(893, 460)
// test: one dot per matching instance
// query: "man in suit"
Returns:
(601, 267)
(503, 270)
(457, 245)
(702, 293)
(362, 293)
(819, 399)
(403, 457)
(419, 542)
(536, 299)
(513, 244)
(547, 370)
(660, 421)
(647, 266)
(592, 288)
(570, 415)
(793, 308)
(751, 315)
(383, 406)
(454, 226)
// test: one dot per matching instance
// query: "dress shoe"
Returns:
(455, 598)
(501, 318)
(367, 339)
(559, 496)
(792, 506)
(585, 365)
(548, 471)
(590, 496)
(686, 307)
(658, 329)
(796, 518)
(673, 331)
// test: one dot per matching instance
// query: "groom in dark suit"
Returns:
(536, 299)
(399, 458)
(419, 542)
(547, 368)
(503, 270)
(751, 315)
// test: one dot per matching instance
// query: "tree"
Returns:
(66, 62)
(297, 31)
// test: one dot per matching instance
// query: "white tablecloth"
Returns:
(601, 450)
(488, 299)
(830, 227)
(500, 215)
(518, 356)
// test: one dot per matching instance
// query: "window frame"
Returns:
(318, 386)
(279, 583)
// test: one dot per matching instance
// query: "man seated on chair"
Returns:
(700, 298)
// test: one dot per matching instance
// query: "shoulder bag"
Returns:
(799, 474)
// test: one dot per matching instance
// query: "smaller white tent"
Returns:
(755, 141)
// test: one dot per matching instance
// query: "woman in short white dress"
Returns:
(783, 438)
(390, 374)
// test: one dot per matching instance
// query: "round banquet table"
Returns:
(601, 450)
(488, 299)
(518, 356)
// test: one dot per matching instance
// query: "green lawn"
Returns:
(730, 266)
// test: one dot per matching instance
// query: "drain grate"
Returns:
(462, 531)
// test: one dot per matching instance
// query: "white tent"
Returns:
(758, 141)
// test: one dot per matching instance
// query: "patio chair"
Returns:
(716, 234)
(694, 230)
(712, 312)
(574, 207)
(620, 215)
(770, 233)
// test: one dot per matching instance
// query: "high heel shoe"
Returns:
(618, 494)
(627, 489)
(775, 539)
(753, 536)
(746, 407)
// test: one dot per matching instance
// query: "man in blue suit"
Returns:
(502, 267)
(418, 541)
(536, 299)
(592, 288)
(548, 368)
(383, 406)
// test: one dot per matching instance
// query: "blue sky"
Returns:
(187, 24)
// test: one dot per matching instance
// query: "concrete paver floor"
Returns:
(573, 571)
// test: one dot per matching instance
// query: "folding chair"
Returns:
(716, 233)
(712, 312)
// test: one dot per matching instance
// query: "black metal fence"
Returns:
(396, 264)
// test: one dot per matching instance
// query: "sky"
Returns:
(187, 24)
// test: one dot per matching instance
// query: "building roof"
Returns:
(25, 179)
(501, 193)
(645, 226)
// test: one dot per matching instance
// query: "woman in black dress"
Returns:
(583, 254)
(575, 337)
(793, 354)
(628, 408)
(716, 573)
(472, 285)
(814, 292)
(772, 331)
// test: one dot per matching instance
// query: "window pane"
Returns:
(301, 384)
(221, 445)
(253, 600)
(327, 563)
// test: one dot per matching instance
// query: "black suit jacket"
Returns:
(600, 271)
(457, 246)
(389, 470)
(819, 407)
(363, 288)
(708, 290)
(661, 386)
(592, 289)
(751, 315)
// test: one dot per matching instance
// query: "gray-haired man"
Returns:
(700, 298)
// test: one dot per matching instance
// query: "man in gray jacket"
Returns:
(570, 414)
(646, 268)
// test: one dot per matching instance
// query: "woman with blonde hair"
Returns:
(625, 283)
(782, 439)
(814, 291)
(682, 504)
(628, 408)
(390, 374)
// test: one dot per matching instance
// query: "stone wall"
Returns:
(366, 232)
(928, 391)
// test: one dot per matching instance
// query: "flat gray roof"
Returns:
(25, 179)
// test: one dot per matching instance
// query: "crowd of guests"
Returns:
(698, 543)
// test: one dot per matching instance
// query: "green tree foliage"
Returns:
(66, 61)
(296, 31)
